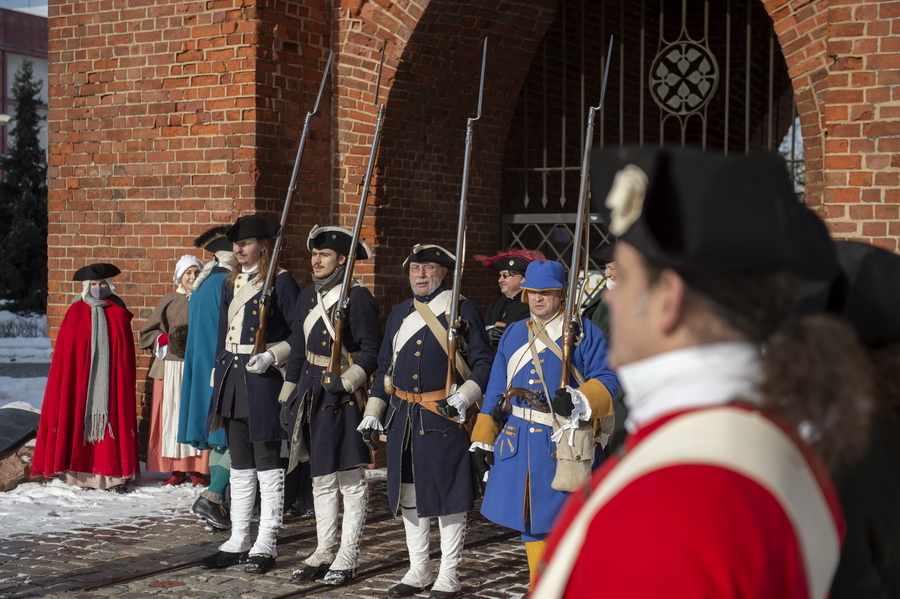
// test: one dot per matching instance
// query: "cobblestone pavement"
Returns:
(66, 563)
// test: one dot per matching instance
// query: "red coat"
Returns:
(60, 442)
(689, 530)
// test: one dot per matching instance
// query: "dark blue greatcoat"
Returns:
(262, 389)
(333, 442)
(442, 467)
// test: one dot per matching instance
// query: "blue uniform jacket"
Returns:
(262, 389)
(523, 450)
(333, 441)
(443, 472)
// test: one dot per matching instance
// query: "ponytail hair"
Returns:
(819, 379)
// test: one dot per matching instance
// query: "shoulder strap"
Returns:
(441, 334)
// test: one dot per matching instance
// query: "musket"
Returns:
(259, 345)
(453, 322)
(342, 307)
(569, 324)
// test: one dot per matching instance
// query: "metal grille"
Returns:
(552, 234)
(708, 73)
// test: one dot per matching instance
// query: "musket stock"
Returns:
(453, 321)
(259, 345)
(569, 326)
(341, 309)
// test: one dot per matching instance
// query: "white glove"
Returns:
(370, 422)
(260, 363)
(581, 409)
(459, 401)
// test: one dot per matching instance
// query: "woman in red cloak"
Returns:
(88, 428)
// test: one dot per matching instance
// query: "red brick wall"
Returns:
(168, 117)
(844, 62)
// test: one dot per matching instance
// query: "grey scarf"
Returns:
(324, 284)
(96, 411)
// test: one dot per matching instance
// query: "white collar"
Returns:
(246, 270)
(694, 377)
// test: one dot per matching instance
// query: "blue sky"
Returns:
(35, 7)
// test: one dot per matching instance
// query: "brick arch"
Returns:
(802, 30)
(432, 70)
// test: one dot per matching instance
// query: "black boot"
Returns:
(259, 564)
(215, 514)
(339, 577)
(223, 559)
(307, 572)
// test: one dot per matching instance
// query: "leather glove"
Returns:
(562, 403)
(260, 363)
(285, 417)
(494, 334)
(571, 403)
(453, 406)
(484, 460)
(335, 384)
(371, 430)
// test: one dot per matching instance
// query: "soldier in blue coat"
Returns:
(523, 491)
(430, 472)
(199, 357)
(322, 413)
(245, 393)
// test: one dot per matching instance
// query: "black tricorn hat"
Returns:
(428, 252)
(867, 295)
(337, 239)
(214, 240)
(95, 272)
(604, 254)
(252, 225)
(704, 212)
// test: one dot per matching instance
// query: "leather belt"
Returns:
(427, 400)
(545, 418)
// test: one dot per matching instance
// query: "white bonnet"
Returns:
(184, 263)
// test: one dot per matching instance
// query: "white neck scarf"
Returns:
(690, 378)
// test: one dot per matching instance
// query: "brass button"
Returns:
(251, 339)
(324, 332)
(310, 310)
(323, 343)
(418, 342)
(232, 328)
(415, 376)
(234, 365)
(234, 358)
(255, 301)
(350, 402)
(252, 328)
(312, 299)
(418, 353)
(222, 362)
(254, 312)
(416, 389)
(421, 432)
(336, 411)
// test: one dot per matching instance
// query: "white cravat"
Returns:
(694, 377)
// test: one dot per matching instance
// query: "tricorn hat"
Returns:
(337, 239)
(868, 293)
(511, 259)
(252, 225)
(96, 272)
(214, 239)
(604, 254)
(428, 252)
(704, 212)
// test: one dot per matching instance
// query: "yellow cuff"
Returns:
(485, 430)
(598, 398)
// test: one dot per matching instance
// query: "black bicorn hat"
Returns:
(867, 294)
(337, 239)
(705, 212)
(252, 225)
(214, 239)
(511, 259)
(96, 272)
(429, 252)
(604, 254)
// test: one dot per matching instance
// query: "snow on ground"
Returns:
(25, 349)
(35, 509)
(25, 394)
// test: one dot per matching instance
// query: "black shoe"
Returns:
(215, 514)
(338, 577)
(119, 489)
(404, 590)
(259, 564)
(307, 572)
(223, 559)
(443, 595)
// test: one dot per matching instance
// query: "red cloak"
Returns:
(60, 441)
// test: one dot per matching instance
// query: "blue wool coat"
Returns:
(523, 452)
(333, 442)
(262, 389)
(443, 472)
(199, 357)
